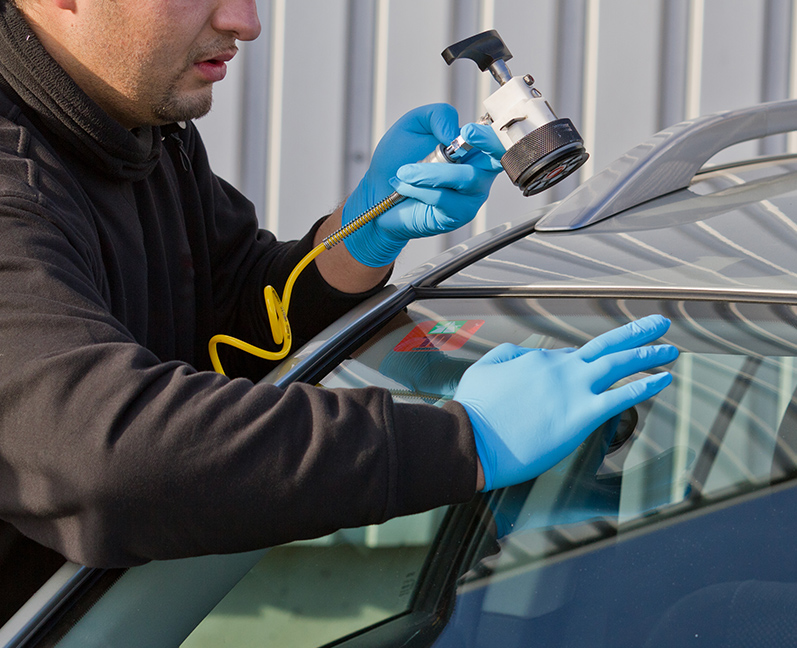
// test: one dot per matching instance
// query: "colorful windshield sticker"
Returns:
(446, 335)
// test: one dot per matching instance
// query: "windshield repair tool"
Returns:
(541, 150)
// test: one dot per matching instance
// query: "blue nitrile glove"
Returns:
(530, 408)
(446, 196)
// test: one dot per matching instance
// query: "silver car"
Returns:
(672, 525)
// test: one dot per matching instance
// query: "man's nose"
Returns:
(237, 17)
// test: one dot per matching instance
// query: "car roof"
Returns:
(731, 230)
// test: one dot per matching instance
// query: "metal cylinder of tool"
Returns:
(541, 149)
(451, 154)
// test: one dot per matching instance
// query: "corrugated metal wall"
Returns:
(294, 124)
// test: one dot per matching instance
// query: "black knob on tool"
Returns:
(485, 49)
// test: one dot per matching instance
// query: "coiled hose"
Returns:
(277, 309)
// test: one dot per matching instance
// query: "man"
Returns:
(121, 254)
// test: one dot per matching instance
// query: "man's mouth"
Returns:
(223, 57)
(214, 68)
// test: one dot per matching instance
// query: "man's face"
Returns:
(152, 62)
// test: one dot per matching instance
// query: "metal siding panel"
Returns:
(462, 86)
(253, 140)
(733, 51)
(570, 31)
(626, 100)
(276, 63)
(674, 41)
(359, 91)
(791, 139)
(775, 72)
(312, 126)
(416, 75)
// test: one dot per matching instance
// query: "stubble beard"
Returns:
(175, 107)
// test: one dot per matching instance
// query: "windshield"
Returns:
(578, 542)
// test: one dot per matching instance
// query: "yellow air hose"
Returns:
(277, 309)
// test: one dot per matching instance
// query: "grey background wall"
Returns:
(295, 122)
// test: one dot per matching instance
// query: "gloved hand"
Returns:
(530, 408)
(446, 196)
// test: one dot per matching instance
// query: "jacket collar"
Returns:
(65, 110)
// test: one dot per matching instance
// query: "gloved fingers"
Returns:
(614, 401)
(616, 366)
(503, 353)
(440, 120)
(464, 178)
(427, 214)
(484, 138)
(633, 334)
(412, 138)
(436, 211)
(482, 161)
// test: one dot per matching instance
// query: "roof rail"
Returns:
(666, 162)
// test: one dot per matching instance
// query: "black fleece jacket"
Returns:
(121, 254)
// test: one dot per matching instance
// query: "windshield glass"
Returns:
(549, 553)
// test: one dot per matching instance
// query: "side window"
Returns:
(307, 594)
(711, 437)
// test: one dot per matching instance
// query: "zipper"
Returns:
(184, 159)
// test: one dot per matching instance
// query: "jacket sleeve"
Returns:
(113, 457)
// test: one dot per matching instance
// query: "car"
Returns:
(672, 525)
